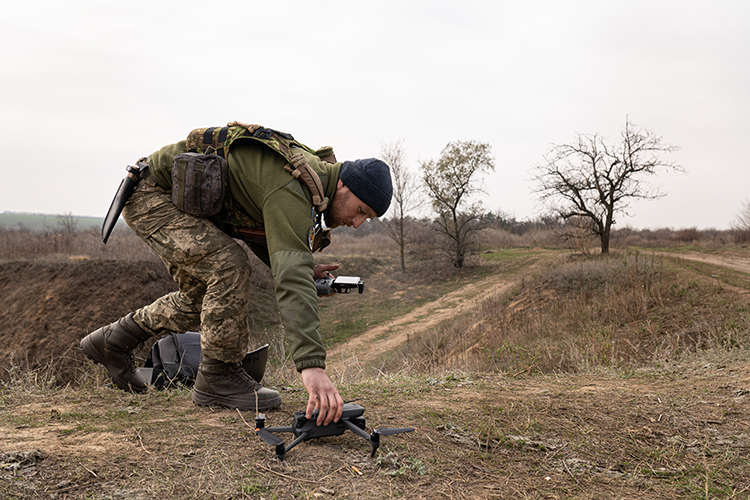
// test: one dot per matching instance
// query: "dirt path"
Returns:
(670, 431)
(374, 343)
(371, 347)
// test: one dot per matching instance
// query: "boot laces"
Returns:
(129, 356)
(238, 371)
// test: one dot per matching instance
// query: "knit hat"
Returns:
(370, 181)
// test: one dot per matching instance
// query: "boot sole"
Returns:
(204, 399)
(93, 354)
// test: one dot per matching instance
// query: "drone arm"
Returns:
(287, 428)
(356, 429)
(373, 438)
(297, 441)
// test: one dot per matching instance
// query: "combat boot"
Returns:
(229, 385)
(113, 346)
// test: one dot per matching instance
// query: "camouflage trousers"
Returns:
(211, 269)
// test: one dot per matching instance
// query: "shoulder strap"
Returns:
(300, 169)
(170, 358)
(218, 140)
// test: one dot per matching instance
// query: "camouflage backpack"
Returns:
(218, 140)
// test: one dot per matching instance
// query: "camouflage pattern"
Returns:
(220, 139)
(211, 269)
(232, 218)
(199, 182)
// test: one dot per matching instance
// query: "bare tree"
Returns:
(405, 195)
(450, 182)
(742, 221)
(741, 224)
(67, 222)
(592, 180)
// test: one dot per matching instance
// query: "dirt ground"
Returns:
(677, 431)
(46, 308)
(670, 434)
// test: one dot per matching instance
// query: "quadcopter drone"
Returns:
(305, 429)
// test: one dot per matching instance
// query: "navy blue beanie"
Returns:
(370, 181)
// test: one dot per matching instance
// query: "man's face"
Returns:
(347, 210)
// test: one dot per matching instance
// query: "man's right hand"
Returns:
(321, 271)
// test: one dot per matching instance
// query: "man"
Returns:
(213, 273)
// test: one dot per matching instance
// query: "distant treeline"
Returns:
(498, 230)
(553, 231)
(47, 222)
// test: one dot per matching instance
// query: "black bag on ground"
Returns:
(175, 358)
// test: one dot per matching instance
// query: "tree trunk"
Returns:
(401, 243)
(605, 241)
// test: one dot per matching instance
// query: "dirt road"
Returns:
(367, 348)
(370, 349)
(670, 431)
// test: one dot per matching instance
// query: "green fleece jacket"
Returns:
(259, 185)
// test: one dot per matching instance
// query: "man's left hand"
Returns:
(323, 395)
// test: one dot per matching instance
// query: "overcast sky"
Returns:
(87, 87)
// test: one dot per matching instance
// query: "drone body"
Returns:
(305, 429)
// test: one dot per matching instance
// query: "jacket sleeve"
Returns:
(298, 306)
(287, 219)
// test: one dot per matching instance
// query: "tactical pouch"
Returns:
(198, 183)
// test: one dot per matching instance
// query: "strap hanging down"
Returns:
(300, 169)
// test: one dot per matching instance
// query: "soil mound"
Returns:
(47, 307)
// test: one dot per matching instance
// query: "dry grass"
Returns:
(124, 245)
(589, 313)
(706, 239)
(675, 432)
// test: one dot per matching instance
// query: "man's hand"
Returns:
(323, 271)
(323, 395)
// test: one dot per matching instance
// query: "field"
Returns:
(538, 372)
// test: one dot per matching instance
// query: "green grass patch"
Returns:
(507, 254)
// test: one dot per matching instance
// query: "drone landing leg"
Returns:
(375, 441)
(295, 443)
(373, 438)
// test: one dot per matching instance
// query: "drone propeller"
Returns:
(269, 438)
(265, 434)
(389, 431)
(385, 431)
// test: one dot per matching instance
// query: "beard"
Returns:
(331, 216)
